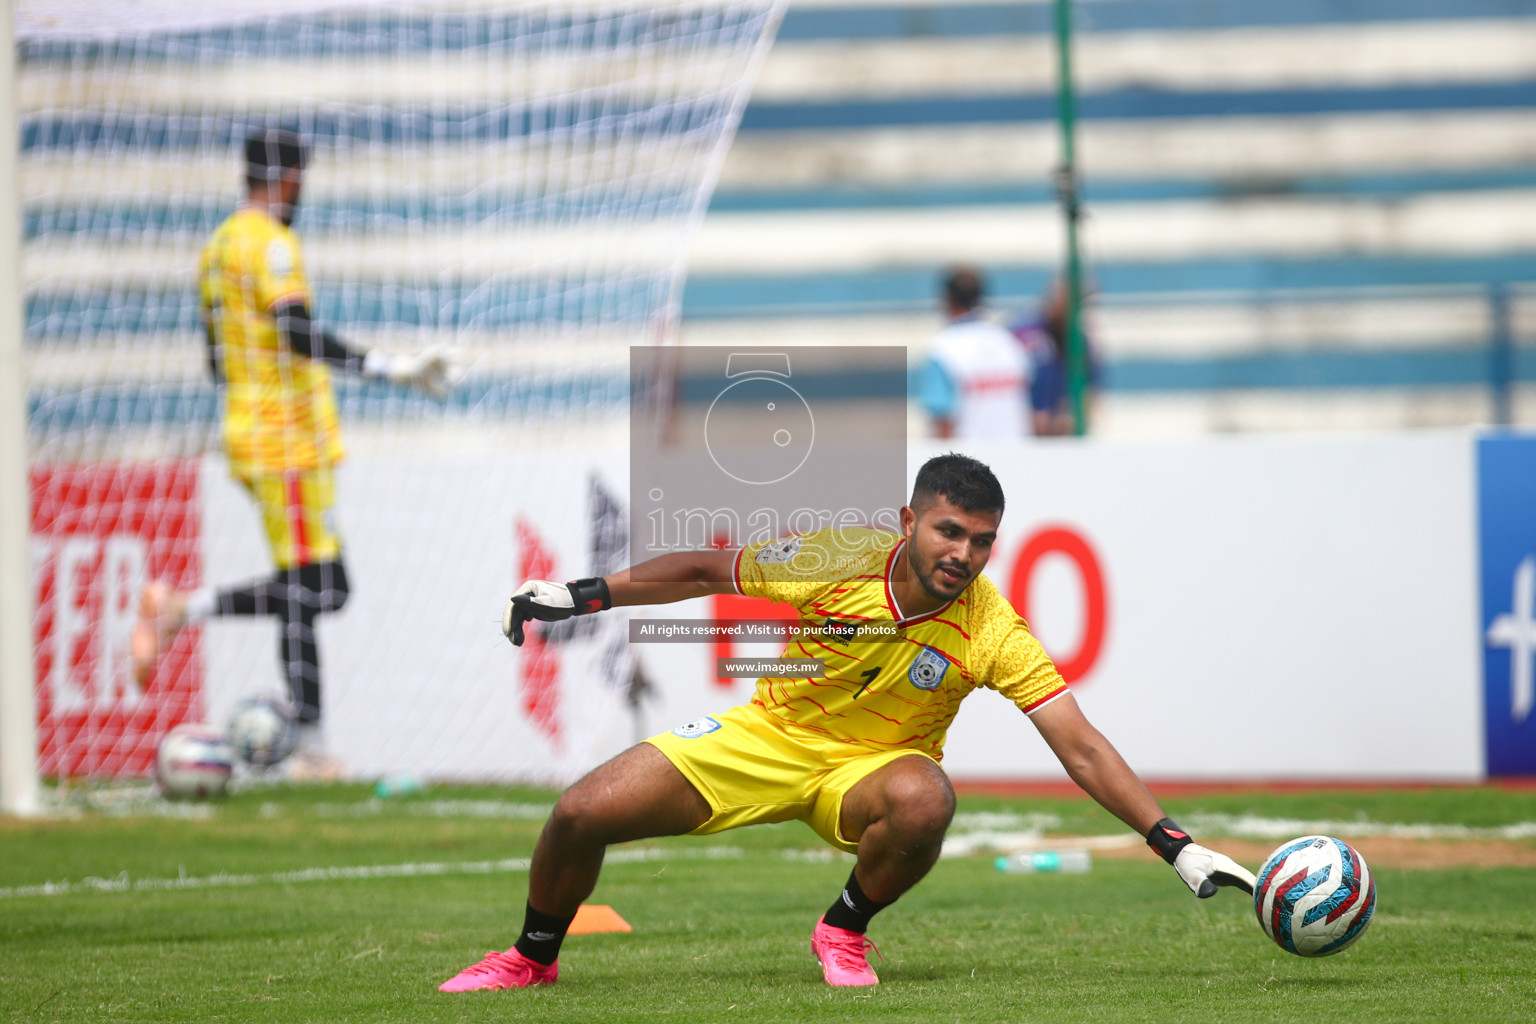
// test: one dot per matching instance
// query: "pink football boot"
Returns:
(502, 970)
(841, 952)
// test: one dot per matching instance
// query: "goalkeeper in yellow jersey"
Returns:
(281, 431)
(906, 626)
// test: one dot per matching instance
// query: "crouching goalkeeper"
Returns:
(854, 753)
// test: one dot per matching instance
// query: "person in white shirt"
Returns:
(975, 380)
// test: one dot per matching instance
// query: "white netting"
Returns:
(517, 180)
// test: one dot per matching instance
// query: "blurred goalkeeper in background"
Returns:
(281, 431)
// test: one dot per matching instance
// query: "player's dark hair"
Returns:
(963, 288)
(966, 482)
(271, 151)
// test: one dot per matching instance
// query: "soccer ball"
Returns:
(1315, 896)
(193, 762)
(261, 732)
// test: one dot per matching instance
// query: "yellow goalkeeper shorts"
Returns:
(296, 512)
(753, 769)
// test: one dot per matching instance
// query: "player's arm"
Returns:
(429, 370)
(675, 577)
(664, 580)
(1096, 766)
(211, 339)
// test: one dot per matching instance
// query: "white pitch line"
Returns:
(967, 843)
(223, 880)
(431, 809)
(1250, 826)
(990, 837)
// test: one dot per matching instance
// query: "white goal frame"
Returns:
(18, 709)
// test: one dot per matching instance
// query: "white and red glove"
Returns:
(1201, 869)
(433, 370)
(552, 602)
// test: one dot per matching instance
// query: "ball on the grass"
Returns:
(1315, 896)
(193, 763)
(261, 732)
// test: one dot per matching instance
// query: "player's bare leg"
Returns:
(637, 795)
(898, 815)
(162, 612)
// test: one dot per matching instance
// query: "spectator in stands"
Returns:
(975, 380)
(1043, 333)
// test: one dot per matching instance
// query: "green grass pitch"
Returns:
(234, 917)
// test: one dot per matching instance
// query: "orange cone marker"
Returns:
(593, 919)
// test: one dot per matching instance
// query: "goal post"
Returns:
(18, 711)
(518, 181)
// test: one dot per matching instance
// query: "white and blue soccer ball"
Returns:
(193, 762)
(262, 732)
(1315, 896)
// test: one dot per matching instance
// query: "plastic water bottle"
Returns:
(1067, 862)
(398, 785)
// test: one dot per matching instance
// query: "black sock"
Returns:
(542, 935)
(852, 909)
(295, 597)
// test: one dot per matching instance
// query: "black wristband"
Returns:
(590, 595)
(1168, 839)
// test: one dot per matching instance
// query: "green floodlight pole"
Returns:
(1066, 191)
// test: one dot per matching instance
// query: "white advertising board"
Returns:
(417, 677)
(1267, 608)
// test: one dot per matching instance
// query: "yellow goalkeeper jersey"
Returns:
(279, 410)
(892, 681)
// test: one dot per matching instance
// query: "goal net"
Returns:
(519, 181)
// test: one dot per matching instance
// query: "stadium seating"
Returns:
(1307, 215)
(1313, 214)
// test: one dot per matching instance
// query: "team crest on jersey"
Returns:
(693, 730)
(779, 551)
(279, 258)
(928, 669)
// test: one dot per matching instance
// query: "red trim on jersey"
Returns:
(832, 613)
(890, 595)
(955, 626)
(890, 563)
(812, 700)
(736, 570)
(911, 742)
(1043, 701)
(922, 706)
(831, 650)
(293, 485)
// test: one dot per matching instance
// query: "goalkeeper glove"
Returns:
(551, 602)
(1201, 869)
(432, 370)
